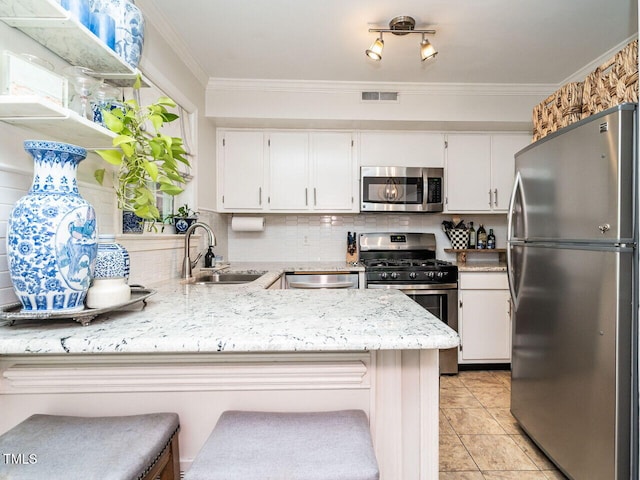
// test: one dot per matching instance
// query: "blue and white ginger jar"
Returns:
(51, 238)
(112, 260)
(129, 27)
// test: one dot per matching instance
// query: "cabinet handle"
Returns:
(509, 308)
(460, 303)
(315, 197)
(306, 197)
(260, 196)
(490, 199)
(495, 198)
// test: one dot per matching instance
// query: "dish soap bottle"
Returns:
(482, 237)
(209, 258)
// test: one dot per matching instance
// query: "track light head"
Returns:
(427, 50)
(375, 50)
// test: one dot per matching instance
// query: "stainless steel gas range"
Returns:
(407, 262)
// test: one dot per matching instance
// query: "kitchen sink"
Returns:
(225, 278)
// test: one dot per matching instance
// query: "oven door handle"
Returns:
(440, 289)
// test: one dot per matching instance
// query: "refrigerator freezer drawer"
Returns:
(571, 362)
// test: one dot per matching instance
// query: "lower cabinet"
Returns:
(484, 318)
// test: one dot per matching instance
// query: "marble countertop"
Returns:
(482, 267)
(189, 318)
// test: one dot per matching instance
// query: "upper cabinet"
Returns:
(401, 149)
(241, 171)
(480, 170)
(286, 171)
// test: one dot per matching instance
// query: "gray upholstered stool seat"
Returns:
(292, 446)
(57, 447)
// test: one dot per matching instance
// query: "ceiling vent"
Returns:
(379, 96)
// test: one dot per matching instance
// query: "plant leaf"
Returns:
(152, 169)
(114, 157)
(99, 175)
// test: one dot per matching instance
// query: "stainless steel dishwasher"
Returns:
(320, 280)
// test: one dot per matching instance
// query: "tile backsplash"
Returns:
(308, 238)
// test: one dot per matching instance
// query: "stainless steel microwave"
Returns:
(401, 189)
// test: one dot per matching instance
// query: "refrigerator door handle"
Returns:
(510, 276)
(516, 203)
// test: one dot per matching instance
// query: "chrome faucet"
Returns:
(187, 264)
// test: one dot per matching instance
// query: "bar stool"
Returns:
(58, 447)
(301, 446)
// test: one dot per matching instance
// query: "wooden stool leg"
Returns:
(172, 470)
(168, 465)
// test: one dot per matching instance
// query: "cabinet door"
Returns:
(242, 170)
(503, 149)
(332, 171)
(401, 149)
(484, 324)
(289, 171)
(468, 173)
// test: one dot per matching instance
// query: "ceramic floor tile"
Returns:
(514, 475)
(496, 452)
(481, 380)
(461, 476)
(494, 397)
(534, 453)
(458, 398)
(506, 420)
(444, 425)
(454, 456)
(451, 381)
(472, 421)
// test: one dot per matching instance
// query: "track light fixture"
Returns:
(401, 25)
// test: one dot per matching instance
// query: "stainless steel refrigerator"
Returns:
(573, 273)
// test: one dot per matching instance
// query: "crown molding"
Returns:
(308, 86)
(154, 16)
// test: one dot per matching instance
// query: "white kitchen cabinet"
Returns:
(291, 171)
(401, 149)
(480, 169)
(484, 318)
(334, 178)
(288, 170)
(241, 171)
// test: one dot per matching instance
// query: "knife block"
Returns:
(352, 255)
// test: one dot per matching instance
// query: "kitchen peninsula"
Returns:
(201, 349)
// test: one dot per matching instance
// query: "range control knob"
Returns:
(440, 274)
(394, 275)
(430, 274)
(413, 275)
(383, 275)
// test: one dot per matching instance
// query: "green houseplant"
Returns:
(184, 218)
(143, 158)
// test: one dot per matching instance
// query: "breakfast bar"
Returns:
(199, 350)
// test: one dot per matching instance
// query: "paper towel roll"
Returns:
(247, 224)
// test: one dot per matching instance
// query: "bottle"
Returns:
(209, 258)
(491, 240)
(481, 237)
(472, 236)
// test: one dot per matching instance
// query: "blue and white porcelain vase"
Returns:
(112, 260)
(109, 286)
(51, 238)
(129, 27)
